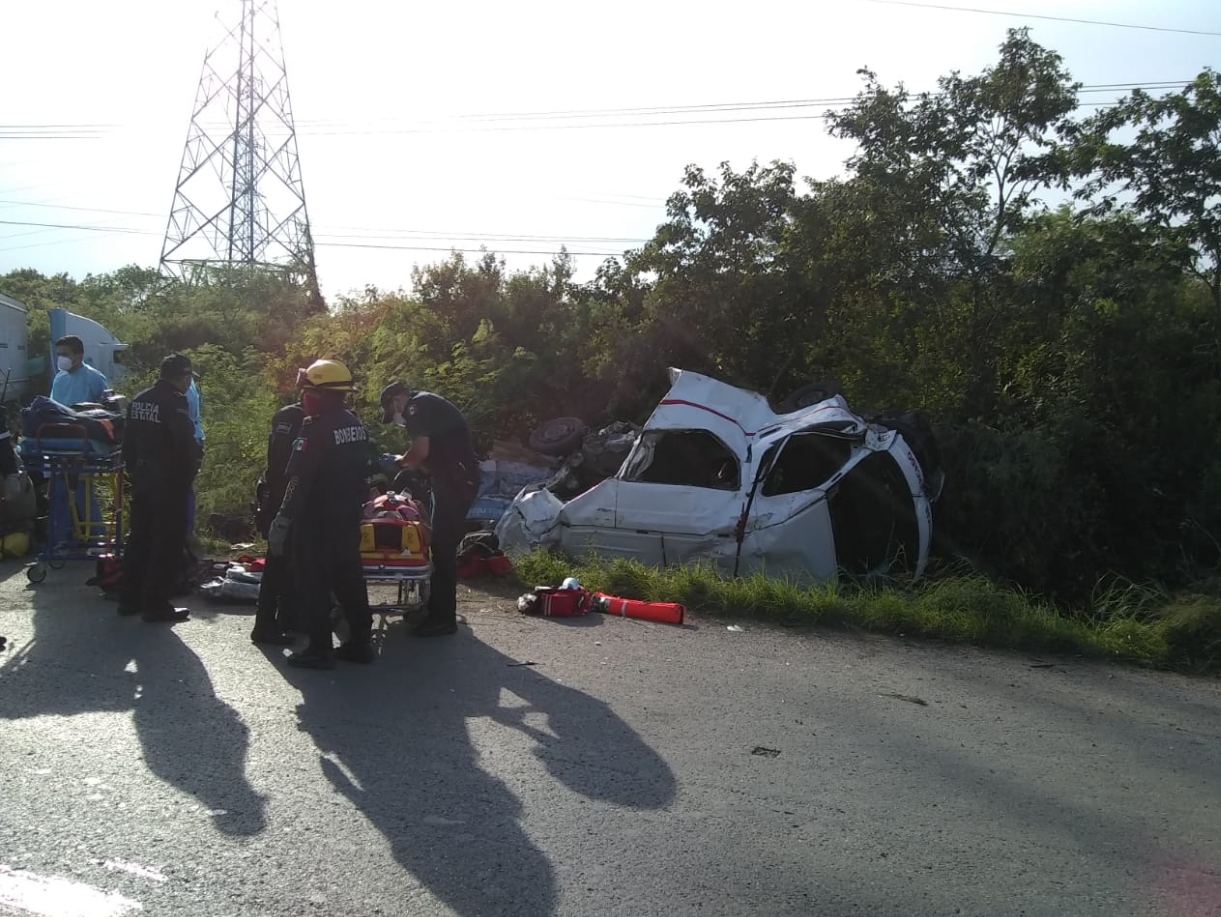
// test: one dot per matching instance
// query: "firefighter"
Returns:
(318, 522)
(161, 458)
(275, 615)
(441, 446)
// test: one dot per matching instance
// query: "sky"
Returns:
(402, 111)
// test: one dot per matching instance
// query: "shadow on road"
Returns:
(401, 739)
(84, 658)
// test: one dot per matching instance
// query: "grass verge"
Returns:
(1133, 624)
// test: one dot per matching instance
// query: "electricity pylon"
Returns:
(240, 198)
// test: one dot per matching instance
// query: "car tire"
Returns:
(810, 393)
(561, 436)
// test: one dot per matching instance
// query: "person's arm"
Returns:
(100, 384)
(302, 469)
(417, 455)
(182, 435)
(131, 443)
(419, 429)
(280, 447)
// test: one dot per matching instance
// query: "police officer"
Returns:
(161, 457)
(441, 446)
(276, 614)
(318, 523)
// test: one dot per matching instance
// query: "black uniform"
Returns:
(161, 457)
(323, 499)
(8, 454)
(454, 470)
(276, 608)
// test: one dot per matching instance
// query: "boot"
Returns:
(165, 612)
(313, 657)
(269, 635)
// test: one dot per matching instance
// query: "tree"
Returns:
(945, 179)
(1170, 172)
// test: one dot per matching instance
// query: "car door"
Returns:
(678, 497)
(788, 528)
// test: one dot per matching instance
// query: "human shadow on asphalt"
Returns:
(81, 660)
(398, 738)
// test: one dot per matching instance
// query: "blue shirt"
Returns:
(80, 385)
(194, 403)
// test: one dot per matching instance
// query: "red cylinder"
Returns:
(662, 612)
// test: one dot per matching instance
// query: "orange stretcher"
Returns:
(394, 549)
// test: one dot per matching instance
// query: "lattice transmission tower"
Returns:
(240, 198)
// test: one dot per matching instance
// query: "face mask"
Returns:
(311, 403)
(64, 363)
(400, 419)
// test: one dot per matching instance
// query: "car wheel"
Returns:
(561, 436)
(810, 393)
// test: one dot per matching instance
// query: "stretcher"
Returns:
(394, 549)
(73, 464)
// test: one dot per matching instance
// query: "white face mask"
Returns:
(399, 419)
(64, 363)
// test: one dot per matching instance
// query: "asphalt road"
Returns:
(634, 769)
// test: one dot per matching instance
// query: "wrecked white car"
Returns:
(717, 475)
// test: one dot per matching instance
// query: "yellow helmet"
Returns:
(330, 375)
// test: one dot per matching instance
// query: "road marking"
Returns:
(51, 896)
(135, 869)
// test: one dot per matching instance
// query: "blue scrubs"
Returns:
(80, 385)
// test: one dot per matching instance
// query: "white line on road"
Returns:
(135, 869)
(51, 896)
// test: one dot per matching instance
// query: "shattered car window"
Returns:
(690, 458)
(806, 461)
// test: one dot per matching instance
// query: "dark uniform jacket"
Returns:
(327, 474)
(285, 428)
(8, 455)
(451, 454)
(160, 452)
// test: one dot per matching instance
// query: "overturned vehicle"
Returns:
(717, 475)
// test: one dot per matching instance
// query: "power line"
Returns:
(134, 213)
(1117, 25)
(77, 226)
(336, 127)
(362, 232)
(110, 230)
(478, 251)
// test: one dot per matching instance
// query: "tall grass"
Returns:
(1124, 621)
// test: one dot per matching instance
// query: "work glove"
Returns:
(277, 536)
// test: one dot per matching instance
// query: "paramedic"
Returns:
(321, 513)
(441, 446)
(76, 382)
(161, 457)
(275, 614)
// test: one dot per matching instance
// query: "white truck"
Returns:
(19, 368)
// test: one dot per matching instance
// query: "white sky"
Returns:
(395, 164)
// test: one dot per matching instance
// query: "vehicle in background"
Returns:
(22, 372)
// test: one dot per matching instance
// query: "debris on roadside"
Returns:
(906, 697)
(571, 600)
(236, 582)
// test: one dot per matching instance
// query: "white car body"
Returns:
(714, 463)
